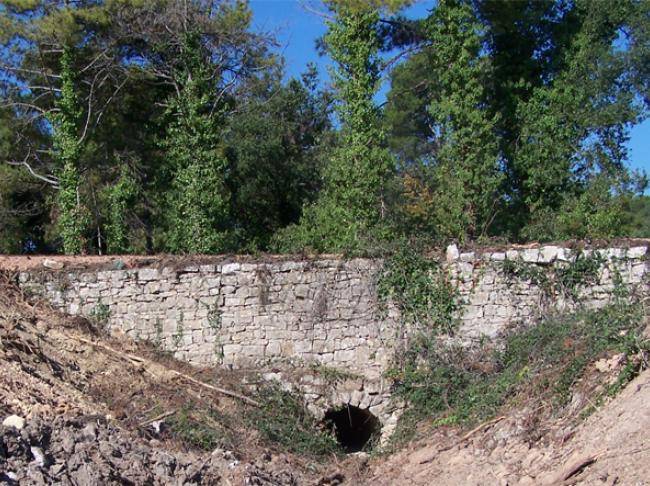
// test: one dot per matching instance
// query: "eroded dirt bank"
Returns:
(610, 447)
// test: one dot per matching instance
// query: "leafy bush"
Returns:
(283, 419)
(544, 361)
(199, 428)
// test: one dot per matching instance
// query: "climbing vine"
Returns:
(423, 293)
(565, 280)
(66, 151)
(120, 198)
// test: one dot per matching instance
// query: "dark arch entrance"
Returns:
(354, 428)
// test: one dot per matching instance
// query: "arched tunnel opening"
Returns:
(355, 429)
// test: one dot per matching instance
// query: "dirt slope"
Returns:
(612, 446)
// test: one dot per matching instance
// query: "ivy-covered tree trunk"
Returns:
(359, 170)
(352, 202)
(66, 151)
(198, 202)
(120, 198)
(466, 176)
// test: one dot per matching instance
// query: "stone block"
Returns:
(473, 312)
(230, 268)
(530, 255)
(148, 274)
(467, 257)
(301, 291)
(512, 255)
(548, 254)
(637, 252)
(452, 254)
(291, 266)
(273, 349)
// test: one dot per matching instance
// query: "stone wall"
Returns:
(238, 314)
(504, 287)
(321, 311)
(323, 314)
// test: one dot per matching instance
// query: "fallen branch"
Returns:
(126, 356)
(146, 364)
(565, 476)
(158, 417)
(483, 426)
(223, 391)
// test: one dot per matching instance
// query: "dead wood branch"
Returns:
(149, 364)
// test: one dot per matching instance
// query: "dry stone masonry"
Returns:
(499, 288)
(324, 314)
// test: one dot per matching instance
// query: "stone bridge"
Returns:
(320, 316)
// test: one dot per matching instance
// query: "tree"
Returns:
(126, 62)
(556, 84)
(120, 197)
(355, 179)
(572, 129)
(66, 151)
(277, 147)
(58, 75)
(197, 199)
(465, 162)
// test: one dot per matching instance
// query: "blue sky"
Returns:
(297, 29)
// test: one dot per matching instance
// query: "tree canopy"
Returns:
(129, 126)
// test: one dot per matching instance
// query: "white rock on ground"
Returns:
(14, 421)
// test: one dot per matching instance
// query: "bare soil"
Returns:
(612, 446)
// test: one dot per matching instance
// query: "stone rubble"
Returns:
(85, 450)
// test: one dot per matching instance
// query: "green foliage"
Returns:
(197, 218)
(100, 314)
(158, 330)
(547, 92)
(359, 169)
(199, 428)
(508, 119)
(565, 280)
(407, 120)
(215, 321)
(426, 299)
(638, 211)
(275, 168)
(66, 150)
(465, 178)
(283, 419)
(22, 209)
(177, 337)
(542, 361)
(332, 375)
(353, 198)
(121, 198)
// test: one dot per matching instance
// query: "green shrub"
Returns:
(283, 419)
(200, 428)
(543, 361)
